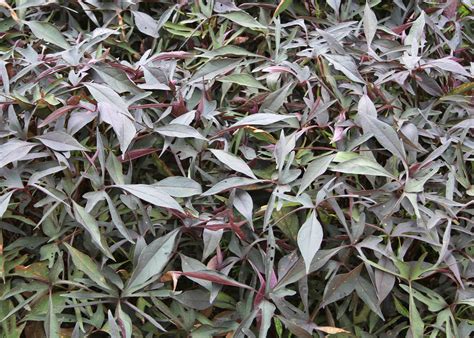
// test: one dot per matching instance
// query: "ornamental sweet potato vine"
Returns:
(229, 168)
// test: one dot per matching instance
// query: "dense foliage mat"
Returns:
(219, 168)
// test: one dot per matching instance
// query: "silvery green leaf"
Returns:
(229, 183)
(261, 119)
(90, 224)
(179, 186)
(361, 166)
(180, 131)
(124, 128)
(4, 200)
(346, 65)
(146, 24)
(60, 141)
(14, 150)
(233, 162)
(246, 80)
(84, 263)
(370, 24)
(152, 194)
(244, 204)
(366, 107)
(310, 237)
(415, 38)
(152, 260)
(243, 19)
(315, 169)
(215, 68)
(384, 134)
(102, 93)
(449, 65)
(48, 33)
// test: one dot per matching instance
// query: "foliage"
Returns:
(220, 168)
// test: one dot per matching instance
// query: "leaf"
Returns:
(414, 38)
(104, 94)
(149, 26)
(268, 311)
(282, 6)
(331, 330)
(115, 78)
(180, 131)
(117, 220)
(146, 24)
(310, 237)
(335, 4)
(60, 141)
(274, 101)
(417, 326)
(362, 166)
(90, 224)
(261, 119)
(14, 150)
(346, 65)
(366, 107)
(211, 240)
(244, 204)
(370, 24)
(178, 186)
(152, 260)
(385, 135)
(340, 286)
(229, 183)
(124, 128)
(233, 162)
(48, 33)
(449, 65)
(51, 324)
(4, 201)
(315, 169)
(229, 50)
(88, 266)
(245, 80)
(151, 194)
(215, 68)
(214, 277)
(367, 293)
(244, 20)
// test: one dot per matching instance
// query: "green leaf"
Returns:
(180, 131)
(244, 20)
(229, 183)
(51, 324)
(4, 201)
(233, 162)
(384, 134)
(151, 194)
(341, 286)
(152, 260)
(60, 141)
(362, 166)
(48, 33)
(417, 327)
(14, 150)
(315, 169)
(310, 237)
(90, 224)
(245, 80)
(261, 119)
(282, 6)
(178, 186)
(103, 94)
(88, 266)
